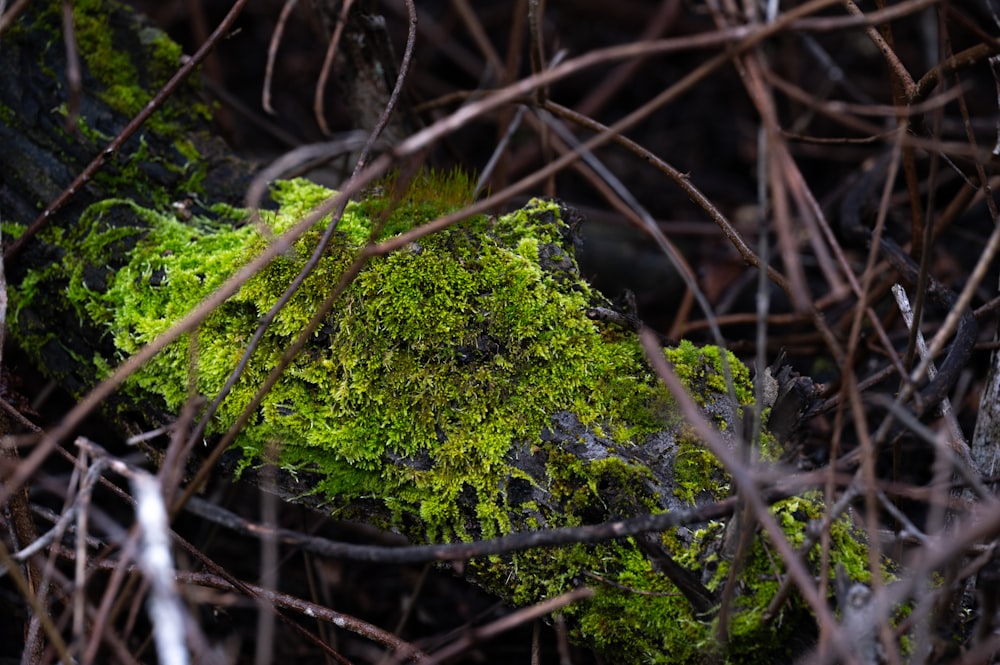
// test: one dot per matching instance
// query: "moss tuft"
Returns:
(127, 86)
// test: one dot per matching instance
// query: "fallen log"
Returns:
(455, 389)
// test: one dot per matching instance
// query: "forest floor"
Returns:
(809, 113)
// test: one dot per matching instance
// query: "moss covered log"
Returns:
(458, 389)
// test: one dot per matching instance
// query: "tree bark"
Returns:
(456, 390)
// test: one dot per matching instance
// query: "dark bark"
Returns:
(43, 154)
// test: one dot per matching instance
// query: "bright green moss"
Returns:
(438, 365)
(697, 472)
(700, 367)
(467, 345)
(12, 230)
(422, 200)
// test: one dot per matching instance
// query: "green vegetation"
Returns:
(126, 62)
(456, 390)
(439, 366)
(127, 86)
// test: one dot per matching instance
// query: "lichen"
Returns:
(440, 365)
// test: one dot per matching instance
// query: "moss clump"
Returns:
(126, 62)
(701, 369)
(458, 385)
(436, 360)
(126, 85)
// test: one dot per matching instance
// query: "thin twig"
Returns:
(272, 53)
(319, 96)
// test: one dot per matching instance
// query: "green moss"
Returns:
(126, 87)
(697, 472)
(7, 115)
(441, 363)
(395, 206)
(12, 230)
(126, 62)
(701, 370)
